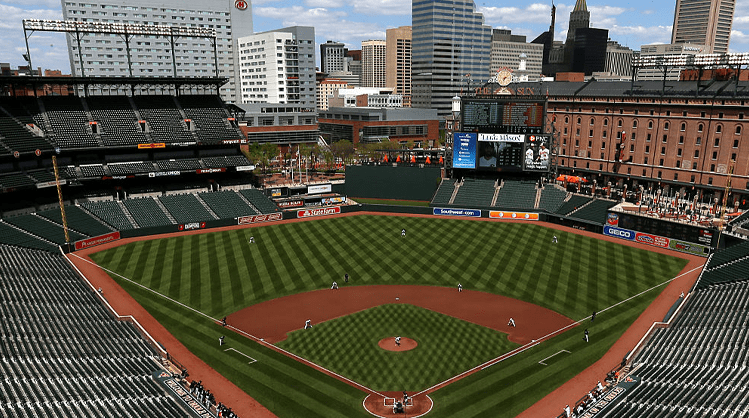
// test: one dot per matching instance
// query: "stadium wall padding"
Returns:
(388, 182)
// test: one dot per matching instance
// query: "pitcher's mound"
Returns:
(389, 344)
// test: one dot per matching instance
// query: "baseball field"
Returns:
(189, 282)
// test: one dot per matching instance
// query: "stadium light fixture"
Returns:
(115, 28)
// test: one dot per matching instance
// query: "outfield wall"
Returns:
(388, 182)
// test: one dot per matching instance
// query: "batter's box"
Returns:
(391, 401)
(252, 360)
(552, 358)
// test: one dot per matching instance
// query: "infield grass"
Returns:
(446, 347)
(219, 273)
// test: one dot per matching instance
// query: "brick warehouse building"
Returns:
(367, 124)
(671, 135)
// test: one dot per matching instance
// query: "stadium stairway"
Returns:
(127, 213)
(497, 187)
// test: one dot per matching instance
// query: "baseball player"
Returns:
(334, 286)
(585, 337)
(403, 232)
(221, 340)
(308, 324)
(398, 341)
(511, 323)
(554, 239)
(460, 287)
(345, 277)
(252, 240)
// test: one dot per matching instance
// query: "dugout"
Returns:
(392, 182)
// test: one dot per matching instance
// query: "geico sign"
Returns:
(318, 212)
(621, 233)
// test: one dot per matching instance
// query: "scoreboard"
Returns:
(514, 116)
(502, 133)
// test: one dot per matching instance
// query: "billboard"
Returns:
(509, 115)
(501, 152)
(318, 212)
(521, 216)
(474, 213)
(464, 150)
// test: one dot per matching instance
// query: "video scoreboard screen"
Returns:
(501, 152)
(503, 115)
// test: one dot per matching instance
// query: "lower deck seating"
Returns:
(517, 195)
(575, 202)
(62, 353)
(475, 193)
(185, 208)
(552, 198)
(78, 220)
(227, 204)
(444, 192)
(596, 211)
(259, 200)
(146, 212)
(43, 228)
(111, 213)
(12, 236)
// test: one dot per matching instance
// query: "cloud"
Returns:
(328, 24)
(327, 4)
(739, 37)
(381, 7)
(52, 4)
(536, 13)
(48, 50)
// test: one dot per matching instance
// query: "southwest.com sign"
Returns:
(457, 212)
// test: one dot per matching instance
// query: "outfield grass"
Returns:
(447, 347)
(220, 273)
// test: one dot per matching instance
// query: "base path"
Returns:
(273, 319)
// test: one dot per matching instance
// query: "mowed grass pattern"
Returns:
(446, 347)
(219, 273)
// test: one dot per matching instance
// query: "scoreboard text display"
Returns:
(501, 152)
(505, 115)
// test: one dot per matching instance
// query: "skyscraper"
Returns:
(373, 63)
(704, 22)
(278, 66)
(451, 47)
(398, 62)
(332, 57)
(104, 54)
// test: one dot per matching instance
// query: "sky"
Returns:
(630, 22)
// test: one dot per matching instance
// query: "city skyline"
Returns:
(637, 23)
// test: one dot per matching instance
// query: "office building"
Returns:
(704, 22)
(366, 124)
(451, 47)
(332, 57)
(373, 63)
(589, 50)
(618, 60)
(326, 88)
(105, 54)
(398, 62)
(278, 66)
(513, 52)
(672, 73)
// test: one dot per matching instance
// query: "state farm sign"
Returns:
(318, 212)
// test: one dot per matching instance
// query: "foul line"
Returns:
(482, 366)
(535, 342)
(560, 351)
(239, 331)
(237, 351)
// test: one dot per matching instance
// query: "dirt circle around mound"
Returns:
(406, 344)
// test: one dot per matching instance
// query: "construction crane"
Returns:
(62, 206)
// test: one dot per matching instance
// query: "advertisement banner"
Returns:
(654, 240)
(318, 212)
(190, 226)
(333, 200)
(46, 184)
(612, 219)
(101, 239)
(619, 233)
(690, 248)
(210, 170)
(464, 150)
(521, 216)
(163, 173)
(501, 138)
(271, 217)
(536, 153)
(320, 188)
(474, 213)
(245, 168)
(152, 146)
(275, 192)
(290, 204)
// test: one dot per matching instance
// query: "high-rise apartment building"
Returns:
(398, 61)
(451, 47)
(704, 22)
(278, 66)
(104, 55)
(332, 57)
(672, 73)
(618, 60)
(373, 63)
